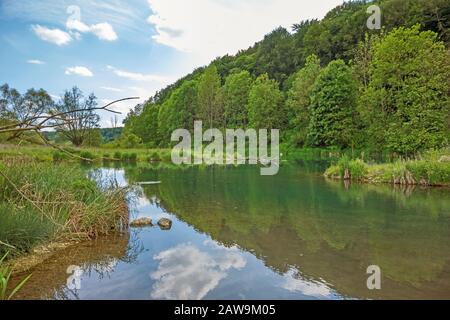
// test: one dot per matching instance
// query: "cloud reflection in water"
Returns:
(186, 273)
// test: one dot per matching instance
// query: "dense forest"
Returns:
(324, 83)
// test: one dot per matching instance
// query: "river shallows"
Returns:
(239, 235)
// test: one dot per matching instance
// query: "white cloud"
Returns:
(210, 28)
(77, 25)
(35, 61)
(103, 31)
(111, 89)
(55, 36)
(186, 273)
(80, 71)
(136, 76)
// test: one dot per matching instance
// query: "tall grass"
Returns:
(43, 201)
(5, 276)
(430, 169)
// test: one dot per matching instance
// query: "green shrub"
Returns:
(129, 157)
(154, 156)
(87, 155)
(117, 155)
(166, 156)
(59, 156)
(358, 169)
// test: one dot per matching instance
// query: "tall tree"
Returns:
(333, 107)
(210, 97)
(407, 101)
(298, 101)
(76, 117)
(24, 109)
(275, 55)
(236, 91)
(266, 106)
(178, 112)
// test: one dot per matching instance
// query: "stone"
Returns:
(141, 222)
(165, 224)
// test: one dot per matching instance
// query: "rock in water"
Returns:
(141, 222)
(165, 224)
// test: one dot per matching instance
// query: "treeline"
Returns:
(332, 82)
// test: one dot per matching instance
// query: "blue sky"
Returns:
(122, 48)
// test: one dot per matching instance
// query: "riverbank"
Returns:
(432, 169)
(44, 203)
(70, 154)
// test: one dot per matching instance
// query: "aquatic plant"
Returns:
(5, 276)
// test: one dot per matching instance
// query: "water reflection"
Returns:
(294, 282)
(97, 260)
(238, 235)
(186, 273)
(327, 231)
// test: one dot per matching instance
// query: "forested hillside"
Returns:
(324, 83)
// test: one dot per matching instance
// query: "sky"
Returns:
(125, 48)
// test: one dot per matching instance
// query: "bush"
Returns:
(129, 157)
(358, 169)
(166, 156)
(59, 156)
(154, 156)
(87, 155)
(117, 155)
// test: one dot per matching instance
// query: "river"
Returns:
(239, 235)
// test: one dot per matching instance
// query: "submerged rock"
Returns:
(141, 222)
(165, 224)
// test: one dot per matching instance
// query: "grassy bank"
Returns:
(71, 154)
(42, 202)
(431, 169)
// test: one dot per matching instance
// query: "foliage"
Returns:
(5, 276)
(210, 100)
(224, 86)
(266, 105)
(406, 104)
(298, 101)
(333, 106)
(129, 140)
(236, 93)
(18, 108)
(427, 171)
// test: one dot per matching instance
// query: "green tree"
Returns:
(93, 138)
(130, 140)
(406, 105)
(275, 55)
(179, 111)
(236, 91)
(266, 106)
(210, 101)
(333, 107)
(24, 109)
(298, 101)
(143, 122)
(77, 116)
